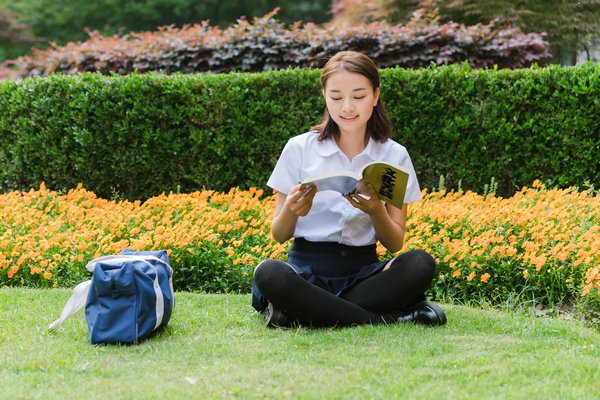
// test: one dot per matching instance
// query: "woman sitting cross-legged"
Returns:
(333, 275)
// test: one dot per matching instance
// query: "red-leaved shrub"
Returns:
(267, 44)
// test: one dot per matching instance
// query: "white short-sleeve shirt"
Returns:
(332, 218)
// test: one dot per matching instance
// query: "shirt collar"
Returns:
(371, 150)
(329, 146)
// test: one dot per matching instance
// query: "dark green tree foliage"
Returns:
(64, 21)
(13, 34)
(568, 24)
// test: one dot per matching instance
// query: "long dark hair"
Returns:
(379, 127)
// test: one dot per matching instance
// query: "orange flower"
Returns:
(471, 276)
(485, 277)
(538, 262)
(12, 272)
(277, 252)
(511, 251)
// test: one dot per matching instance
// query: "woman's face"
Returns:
(350, 99)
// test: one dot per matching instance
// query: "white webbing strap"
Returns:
(77, 300)
(160, 301)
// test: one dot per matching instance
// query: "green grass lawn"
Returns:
(215, 346)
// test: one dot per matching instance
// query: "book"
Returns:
(389, 181)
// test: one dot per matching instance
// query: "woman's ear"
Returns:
(376, 97)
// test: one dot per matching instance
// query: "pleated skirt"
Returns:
(331, 266)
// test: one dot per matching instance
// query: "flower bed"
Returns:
(540, 243)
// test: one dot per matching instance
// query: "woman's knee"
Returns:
(271, 272)
(426, 261)
(418, 262)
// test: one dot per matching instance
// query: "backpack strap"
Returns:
(124, 257)
(77, 300)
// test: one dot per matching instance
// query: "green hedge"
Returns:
(515, 126)
(136, 136)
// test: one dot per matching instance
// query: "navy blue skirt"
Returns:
(331, 266)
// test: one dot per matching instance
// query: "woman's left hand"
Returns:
(370, 204)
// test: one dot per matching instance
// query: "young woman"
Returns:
(333, 276)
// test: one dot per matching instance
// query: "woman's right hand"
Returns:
(297, 203)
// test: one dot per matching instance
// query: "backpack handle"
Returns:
(123, 257)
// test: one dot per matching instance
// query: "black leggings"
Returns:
(373, 300)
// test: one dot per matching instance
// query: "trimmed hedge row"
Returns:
(136, 136)
(139, 135)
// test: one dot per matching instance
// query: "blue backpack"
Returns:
(129, 297)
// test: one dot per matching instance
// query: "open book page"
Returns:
(340, 181)
(388, 180)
